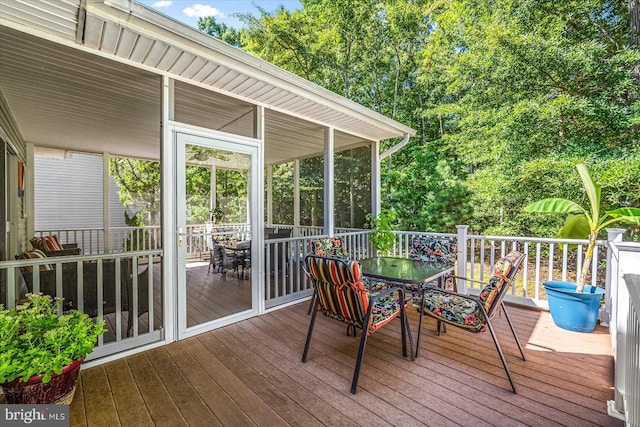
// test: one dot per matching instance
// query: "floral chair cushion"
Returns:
(329, 247)
(434, 249)
(453, 308)
(344, 297)
(503, 274)
(466, 311)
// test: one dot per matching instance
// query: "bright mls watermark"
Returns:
(36, 415)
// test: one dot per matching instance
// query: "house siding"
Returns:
(69, 195)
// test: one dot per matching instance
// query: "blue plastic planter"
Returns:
(571, 310)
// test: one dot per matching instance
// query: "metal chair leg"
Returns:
(420, 326)
(504, 361)
(311, 324)
(513, 331)
(406, 333)
(313, 300)
(363, 343)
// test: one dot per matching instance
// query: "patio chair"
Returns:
(325, 246)
(51, 246)
(472, 313)
(435, 249)
(222, 260)
(343, 297)
(283, 249)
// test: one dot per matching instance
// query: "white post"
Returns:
(213, 188)
(106, 207)
(376, 181)
(611, 282)
(329, 199)
(462, 257)
(258, 133)
(30, 186)
(270, 194)
(168, 218)
(296, 197)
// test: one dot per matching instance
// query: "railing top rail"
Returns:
(425, 233)
(126, 227)
(55, 230)
(351, 233)
(76, 258)
(535, 239)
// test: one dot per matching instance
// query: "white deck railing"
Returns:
(108, 287)
(625, 330)
(547, 259)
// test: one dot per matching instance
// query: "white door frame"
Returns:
(175, 292)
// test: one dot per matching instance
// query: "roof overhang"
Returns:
(134, 35)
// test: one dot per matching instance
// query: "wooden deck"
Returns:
(250, 373)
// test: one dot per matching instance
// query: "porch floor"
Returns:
(250, 373)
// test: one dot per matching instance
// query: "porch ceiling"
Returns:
(102, 93)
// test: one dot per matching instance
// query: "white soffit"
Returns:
(135, 33)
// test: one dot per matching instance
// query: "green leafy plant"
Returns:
(135, 240)
(383, 237)
(216, 214)
(585, 222)
(34, 340)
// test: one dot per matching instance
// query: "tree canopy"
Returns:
(507, 97)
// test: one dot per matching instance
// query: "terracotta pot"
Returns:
(58, 391)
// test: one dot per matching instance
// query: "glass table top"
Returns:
(403, 269)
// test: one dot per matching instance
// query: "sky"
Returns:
(188, 11)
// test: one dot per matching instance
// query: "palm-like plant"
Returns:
(582, 222)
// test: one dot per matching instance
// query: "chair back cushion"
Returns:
(36, 254)
(504, 273)
(434, 249)
(341, 294)
(329, 247)
(47, 243)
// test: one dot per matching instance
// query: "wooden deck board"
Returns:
(158, 402)
(250, 373)
(127, 399)
(169, 367)
(255, 408)
(100, 411)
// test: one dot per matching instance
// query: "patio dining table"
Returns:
(403, 270)
(408, 273)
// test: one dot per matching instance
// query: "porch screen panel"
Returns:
(312, 191)
(282, 184)
(352, 186)
(68, 197)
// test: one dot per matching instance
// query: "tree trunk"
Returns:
(634, 28)
(587, 261)
(634, 22)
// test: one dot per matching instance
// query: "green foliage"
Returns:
(220, 31)
(135, 240)
(526, 87)
(139, 182)
(383, 237)
(506, 98)
(34, 340)
(585, 222)
(282, 186)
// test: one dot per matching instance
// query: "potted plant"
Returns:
(216, 214)
(383, 237)
(41, 352)
(575, 306)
